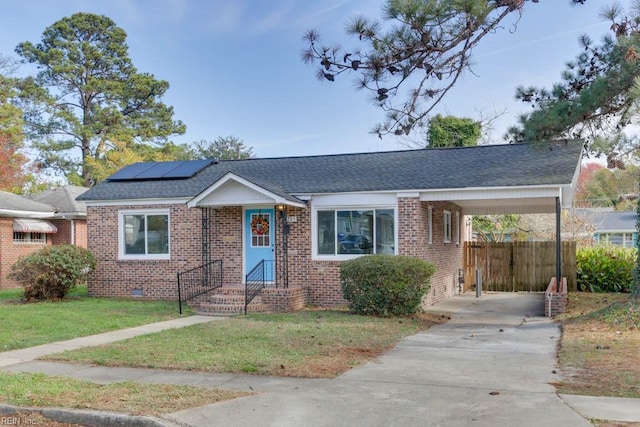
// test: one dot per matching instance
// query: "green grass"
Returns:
(27, 325)
(303, 344)
(137, 399)
(12, 295)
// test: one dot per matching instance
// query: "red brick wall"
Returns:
(64, 234)
(447, 257)
(10, 252)
(226, 242)
(157, 279)
(81, 232)
(323, 277)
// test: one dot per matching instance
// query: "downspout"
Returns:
(73, 232)
(558, 246)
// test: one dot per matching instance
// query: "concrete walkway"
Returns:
(491, 364)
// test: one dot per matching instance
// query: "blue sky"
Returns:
(234, 66)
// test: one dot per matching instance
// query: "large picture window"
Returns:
(144, 234)
(355, 232)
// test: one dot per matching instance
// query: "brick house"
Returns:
(27, 224)
(70, 217)
(297, 218)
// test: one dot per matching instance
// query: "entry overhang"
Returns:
(234, 190)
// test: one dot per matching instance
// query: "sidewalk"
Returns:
(13, 357)
(448, 375)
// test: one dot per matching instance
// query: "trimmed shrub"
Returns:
(605, 268)
(53, 271)
(385, 284)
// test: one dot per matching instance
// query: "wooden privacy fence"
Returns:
(518, 266)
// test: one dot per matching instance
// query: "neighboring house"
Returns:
(616, 228)
(70, 216)
(305, 215)
(24, 229)
(27, 224)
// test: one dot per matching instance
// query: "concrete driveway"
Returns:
(490, 365)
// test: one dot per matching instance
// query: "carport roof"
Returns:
(491, 172)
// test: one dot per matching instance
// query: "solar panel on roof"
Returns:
(160, 170)
(188, 169)
(129, 172)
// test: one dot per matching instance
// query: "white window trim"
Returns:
(458, 228)
(446, 216)
(121, 240)
(430, 225)
(344, 257)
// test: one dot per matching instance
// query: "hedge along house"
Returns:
(291, 221)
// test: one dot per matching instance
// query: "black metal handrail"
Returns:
(256, 280)
(198, 281)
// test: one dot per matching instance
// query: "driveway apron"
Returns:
(491, 364)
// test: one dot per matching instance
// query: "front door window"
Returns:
(260, 226)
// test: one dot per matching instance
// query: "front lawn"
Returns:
(599, 348)
(26, 325)
(38, 390)
(311, 343)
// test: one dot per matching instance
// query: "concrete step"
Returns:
(229, 299)
(226, 301)
(227, 309)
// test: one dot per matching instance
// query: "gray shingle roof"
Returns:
(469, 167)
(615, 221)
(14, 202)
(63, 199)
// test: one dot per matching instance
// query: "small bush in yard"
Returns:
(605, 268)
(53, 271)
(385, 284)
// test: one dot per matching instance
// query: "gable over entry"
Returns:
(234, 190)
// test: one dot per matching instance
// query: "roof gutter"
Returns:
(26, 214)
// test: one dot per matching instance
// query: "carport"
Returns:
(555, 194)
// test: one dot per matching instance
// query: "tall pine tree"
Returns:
(88, 98)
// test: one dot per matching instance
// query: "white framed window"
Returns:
(143, 234)
(347, 232)
(430, 224)
(22, 237)
(447, 226)
(458, 228)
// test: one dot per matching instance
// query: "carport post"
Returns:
(478, 271)
(558, 246)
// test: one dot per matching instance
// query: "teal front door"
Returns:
(259, 240)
